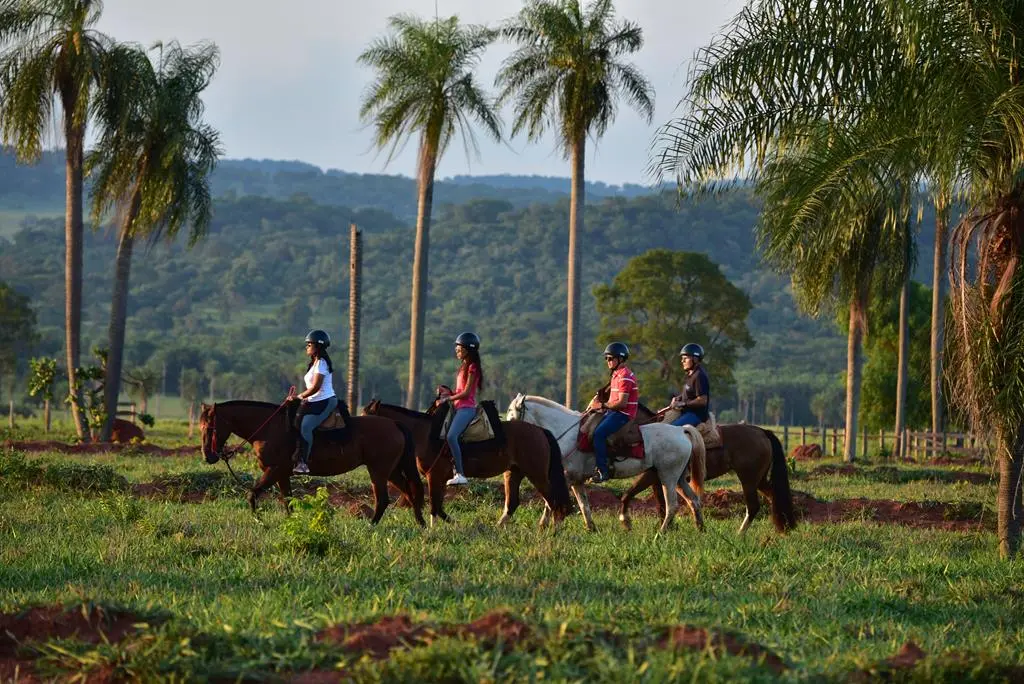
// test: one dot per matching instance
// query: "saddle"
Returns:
(626, 442)
(335, 426)
(709, 429)
(484, 427)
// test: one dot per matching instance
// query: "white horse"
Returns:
(667, 450)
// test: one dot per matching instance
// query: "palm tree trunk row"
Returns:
(428, 164)
(854, 369)
(576, 201)
(75, 136)
(938, 314)
(1010, 496)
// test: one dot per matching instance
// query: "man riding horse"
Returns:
(623, 400)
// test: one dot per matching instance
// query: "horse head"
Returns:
(516, 408)
(210, 437)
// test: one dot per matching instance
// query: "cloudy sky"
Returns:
(289, 86)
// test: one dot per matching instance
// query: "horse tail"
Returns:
(557, 485)
(409, 469)
(782, 498)
(698, 466)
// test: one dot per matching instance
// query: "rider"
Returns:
(623, 399)
(694, 402)
(318, 399)
(470, 378)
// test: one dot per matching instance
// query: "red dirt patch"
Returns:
(378, 638)
(17, 670)
(101, 448)
(806, 452)
(699, 639)
(155, 491)
(930, 514)
(41, 624)
(961, 460)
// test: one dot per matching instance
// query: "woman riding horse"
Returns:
(523, 451)
(383, 446)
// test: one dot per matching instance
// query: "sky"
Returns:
(289, 86)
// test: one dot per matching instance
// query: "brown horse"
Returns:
(383, 446)
(522, 451)
(757, 458)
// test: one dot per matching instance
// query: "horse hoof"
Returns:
(502, 521)
(626, 523)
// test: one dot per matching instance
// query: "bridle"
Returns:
(521, 415)
(233, 451)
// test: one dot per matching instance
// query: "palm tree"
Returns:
(50, 56)
(153, 163)
(567, 74)
(946, 76)
(425, 87)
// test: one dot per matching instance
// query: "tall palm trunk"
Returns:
(901, 373)
(854, 367)
(118, 317)
(576, 199)
(938, 314)
(1009, 503)
(75, 139)
(354, 291)
(428, 165)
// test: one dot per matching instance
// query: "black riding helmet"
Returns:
(617, 349)
(468, 340)
(319, 337)
(693, 349)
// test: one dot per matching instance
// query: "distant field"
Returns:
(11, 217)
(166, 542)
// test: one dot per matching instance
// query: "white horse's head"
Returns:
(543, 412)
(516, 408)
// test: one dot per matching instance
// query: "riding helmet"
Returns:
(617, 349)
(692, 349)
(319, 337)
(468, 340)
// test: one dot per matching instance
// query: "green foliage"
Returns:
(43, 377)
(662, 300)
(17, 328)
(308, 528)
(124, 509)
(775, 406)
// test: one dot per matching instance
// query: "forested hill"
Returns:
(269, 269)
(41, 186)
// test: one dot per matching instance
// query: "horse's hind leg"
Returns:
(693, 501)
(513, 479)
(284, 486)
(648, 478)
(584, 502)
(436, 479)
(408, 491)
(753, 501)
(671, 504)
(380, 494)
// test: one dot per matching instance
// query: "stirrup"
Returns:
(301, 468)
(598, 477)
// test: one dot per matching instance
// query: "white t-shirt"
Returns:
(326, 388)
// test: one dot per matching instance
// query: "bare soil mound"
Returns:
(699, 639)
(102, 448)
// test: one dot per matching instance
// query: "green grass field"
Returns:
(221, 596)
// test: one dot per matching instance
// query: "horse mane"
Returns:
(408, 412)
(247, 403)
(544, 401)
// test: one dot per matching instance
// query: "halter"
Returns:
(522, 414)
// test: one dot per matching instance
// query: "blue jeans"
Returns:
(609, 425)
(314, 413)
(460, 421)
(688, 418)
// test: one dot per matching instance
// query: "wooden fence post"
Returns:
(881, 441)
(785, 438)
(834, 440)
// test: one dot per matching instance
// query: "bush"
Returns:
(307, 529)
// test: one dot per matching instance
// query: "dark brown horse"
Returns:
(523, 451)
(757, 458)
(383, 446)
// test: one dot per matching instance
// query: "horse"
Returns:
(667, 450)
(523, 451)
(757, 458)
(383, 446)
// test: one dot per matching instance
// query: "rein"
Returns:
(230, 453)
(566, 431)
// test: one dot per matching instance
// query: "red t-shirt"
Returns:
(623, 381)
(468, 401)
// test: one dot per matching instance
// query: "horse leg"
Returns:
(753, 502)
(284, 487)
(409, 494)
(513, 478)
(266, 482)
(648, 478)
(692, 500)
(580, 491)
(379, 484)
(435, 488)
(671, 504)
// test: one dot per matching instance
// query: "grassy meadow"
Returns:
(218, 595)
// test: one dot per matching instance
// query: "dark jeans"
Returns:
(308, 417)
(688, 418)
(609, 425)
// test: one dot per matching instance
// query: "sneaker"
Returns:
(459, 479)
(301, 468)
(599, 477)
